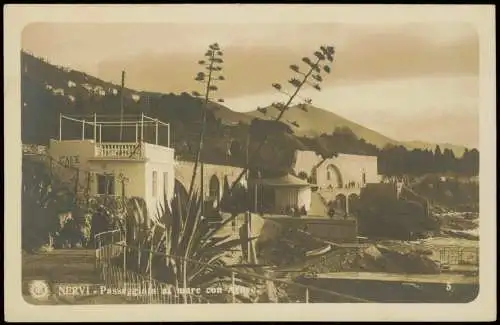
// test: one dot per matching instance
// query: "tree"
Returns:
(303, 175)
(214, 59)
(438, 159)
(312, 77)
(44, 198)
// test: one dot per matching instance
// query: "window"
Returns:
(155, 183)
(105, 184)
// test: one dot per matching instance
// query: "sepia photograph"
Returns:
(170, 162)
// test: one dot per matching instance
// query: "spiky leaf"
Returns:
(294, 68)
(295, 82)
(319, 55)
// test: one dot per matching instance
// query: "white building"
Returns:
(137, 168)
(282, 194)
(58, 91)
(338, 179)
(337, 172)
(136, 97)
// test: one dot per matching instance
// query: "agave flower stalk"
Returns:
(314, 71)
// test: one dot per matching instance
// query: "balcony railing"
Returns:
(119, 150)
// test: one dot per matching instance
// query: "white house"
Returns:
(338, 179)
(87, 87)
(58, 91)
(140, 168)
(136, 97)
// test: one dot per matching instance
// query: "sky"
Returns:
(408, 81)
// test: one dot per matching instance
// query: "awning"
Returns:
(287, 180)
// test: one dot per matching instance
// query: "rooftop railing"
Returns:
(119, 150)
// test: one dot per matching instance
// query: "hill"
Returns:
(48, 90)
(313, 121)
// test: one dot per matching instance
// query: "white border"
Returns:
(16, 17)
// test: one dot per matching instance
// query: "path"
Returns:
(69, 266)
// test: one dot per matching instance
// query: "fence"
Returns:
(459, 255)
(142, 275)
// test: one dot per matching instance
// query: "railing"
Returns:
(135, 273)
(104, 248)
(459, 255)
(119, 150)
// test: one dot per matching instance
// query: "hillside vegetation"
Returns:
(48, 90)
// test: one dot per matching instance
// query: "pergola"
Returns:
(97, 122)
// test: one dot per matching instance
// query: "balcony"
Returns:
(120, 150)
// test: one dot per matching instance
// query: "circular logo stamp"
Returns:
(39, 289)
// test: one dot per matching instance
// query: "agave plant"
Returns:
(178, 246)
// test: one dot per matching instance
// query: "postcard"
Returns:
(249, 162)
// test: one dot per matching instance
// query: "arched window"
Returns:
(333, 176)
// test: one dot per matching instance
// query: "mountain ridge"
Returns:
(70, 85)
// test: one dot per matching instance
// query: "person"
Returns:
(331, 211)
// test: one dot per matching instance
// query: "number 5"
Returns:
(448, 287)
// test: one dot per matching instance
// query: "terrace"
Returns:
(129, 137)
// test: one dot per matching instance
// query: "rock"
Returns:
(373, 252)
(45, 248)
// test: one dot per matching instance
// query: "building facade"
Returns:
(119, 169)
(338, 180)
(343, 171)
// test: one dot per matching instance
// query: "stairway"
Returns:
(318, 205)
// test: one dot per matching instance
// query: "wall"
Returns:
(377, 192)
(350, 168)
(305, 161)
(74, 153)
(184, 171)
(132, 171)
(161, 160)
(336, 230)
(79, 153)
(292, 196)
(157, 201)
